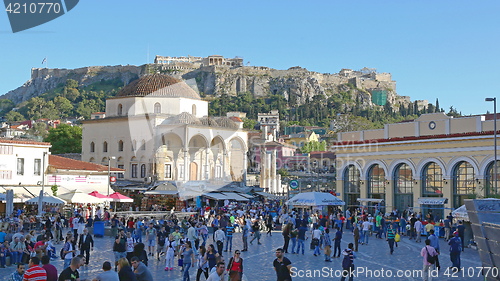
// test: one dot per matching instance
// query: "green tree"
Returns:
(437, 105)
(38, 129)
(65, 139)
(63, 105)
(283, 172)
(249, 123)
(70, 83)
(6, 106)
(14, 116)
(313, 146)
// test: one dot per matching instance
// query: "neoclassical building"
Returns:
(432, 162)
(158, 127)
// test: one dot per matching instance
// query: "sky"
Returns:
(433, 49)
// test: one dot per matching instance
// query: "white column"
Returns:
(245, 167)
(273, 171)
(268, 171)
(207, 173)
(224, 165)
(263, 160)
(186, 165)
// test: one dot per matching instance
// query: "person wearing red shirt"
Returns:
(41, 247)
(35, 272)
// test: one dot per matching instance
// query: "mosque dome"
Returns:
(158, 85)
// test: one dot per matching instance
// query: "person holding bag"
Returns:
(202, 263)
(235, 267)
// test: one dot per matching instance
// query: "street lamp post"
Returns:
(494, 100)
(109, 169)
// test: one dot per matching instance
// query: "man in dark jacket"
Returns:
(86, 245)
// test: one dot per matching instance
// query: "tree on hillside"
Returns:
(63, 105)
(65, 139)
(70, 83)
(437, 105)
(249, 123)
(6, 106)
(14, 116)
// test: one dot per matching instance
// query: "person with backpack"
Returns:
(68, 251)
(348, 262)
(455, 250)
(429, 254)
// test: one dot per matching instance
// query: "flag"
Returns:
(44, 60)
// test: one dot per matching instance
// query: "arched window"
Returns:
(92, 147)
(105, 146)
(143, 145)
(403, 187)
(464, 186)
(143, 170)
(194, 109)
(351, 185)
(120, 109)
(432, 186)
(91, 160)
(490, 179)
(120, 145)
(157, 108)
(432, 180)
(376, 183)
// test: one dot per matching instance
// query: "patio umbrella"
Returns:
(315, 199)
(47, 200)
(99, 195)
(78, 197)
(117, 197)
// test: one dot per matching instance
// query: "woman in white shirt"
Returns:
(170, 243)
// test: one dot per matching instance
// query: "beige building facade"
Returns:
(431, 163)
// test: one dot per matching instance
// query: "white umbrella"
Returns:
(47, 200)
(461, 213)
(315, 199)
(77, 196)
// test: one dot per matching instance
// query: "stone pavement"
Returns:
(258, 261)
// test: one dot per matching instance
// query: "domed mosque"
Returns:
(157, 128)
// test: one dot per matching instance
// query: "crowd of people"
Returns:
(183, 240)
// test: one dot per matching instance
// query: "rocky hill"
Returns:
(295, 84)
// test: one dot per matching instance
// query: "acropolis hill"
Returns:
(215, 75)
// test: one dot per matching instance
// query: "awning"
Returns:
(265, 194)
(246, 195)
(161, 192)
(370, 200)
(432, 200)
(235, 196)
(216, 196)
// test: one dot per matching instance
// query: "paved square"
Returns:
(259, 258)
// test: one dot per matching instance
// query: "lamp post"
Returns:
(494, 100)
(109, 169)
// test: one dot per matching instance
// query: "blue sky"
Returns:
(434, 49)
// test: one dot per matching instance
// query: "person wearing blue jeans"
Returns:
(187, 260)
(338, 239)
(229, 237)
(316, 236)
(301, 237)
